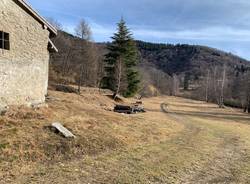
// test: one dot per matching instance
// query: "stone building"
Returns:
(24, 54)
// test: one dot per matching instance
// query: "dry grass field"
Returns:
(176, 141)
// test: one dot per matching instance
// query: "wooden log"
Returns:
(123, 109)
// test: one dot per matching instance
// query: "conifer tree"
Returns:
(121, 60)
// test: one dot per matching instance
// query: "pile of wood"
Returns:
(132, 109)
(123, 109)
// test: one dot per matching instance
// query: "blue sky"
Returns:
(223, 24)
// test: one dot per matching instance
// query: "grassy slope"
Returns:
(193, 143)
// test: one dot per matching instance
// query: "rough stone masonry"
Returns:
(24, 67)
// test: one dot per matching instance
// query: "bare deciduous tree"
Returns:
(207, 84)
(55, 23)
(175, 85)
(247, 93)
(215, 85)
(83, 30)
(223, 80)
(153, 77)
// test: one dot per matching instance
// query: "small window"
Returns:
(4, 40)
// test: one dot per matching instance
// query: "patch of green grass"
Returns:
(3, 146)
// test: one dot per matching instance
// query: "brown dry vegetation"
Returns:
(194, 142)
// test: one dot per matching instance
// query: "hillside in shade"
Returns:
(195, 59)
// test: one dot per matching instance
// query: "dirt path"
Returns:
(224, 166)
(187, 142)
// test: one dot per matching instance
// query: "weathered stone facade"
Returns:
(23, 68)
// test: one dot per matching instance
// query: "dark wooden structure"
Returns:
(135, 108)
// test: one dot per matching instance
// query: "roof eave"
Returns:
(52, 47)
(35, 15)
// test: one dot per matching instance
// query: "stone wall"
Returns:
(23, 68)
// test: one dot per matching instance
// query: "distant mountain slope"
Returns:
(157, 64)
(178, 59)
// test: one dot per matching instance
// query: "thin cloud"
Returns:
(210, 34)
(211, 22)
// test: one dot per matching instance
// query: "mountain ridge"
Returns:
(157, 61)
(181, 58)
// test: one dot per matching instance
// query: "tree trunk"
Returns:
(248, 105)
(119, 76)
(65, 63)
(221, 103)
(80, 79)
(215, 82)
(207, 85)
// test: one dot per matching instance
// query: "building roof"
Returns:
(36, 16)
(52, 47)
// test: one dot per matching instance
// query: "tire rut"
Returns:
(223, 168)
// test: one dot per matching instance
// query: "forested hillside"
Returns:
(76, 57)
(192, 71)
(178, 59)
(199, 72)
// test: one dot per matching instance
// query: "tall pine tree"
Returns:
(121, 60)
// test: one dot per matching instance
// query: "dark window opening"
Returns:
(4, 40)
